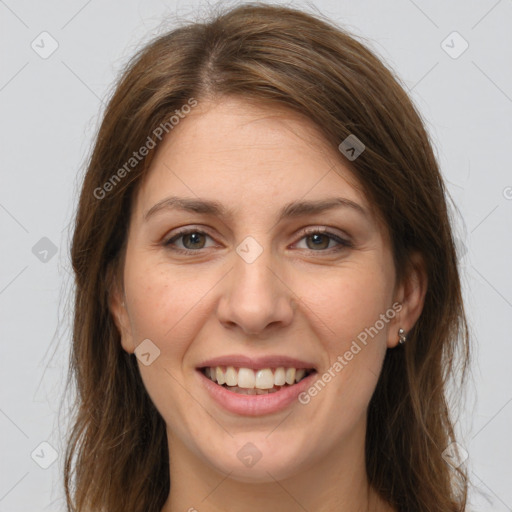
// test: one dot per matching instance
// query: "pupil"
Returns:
(193, 237)
(317, 240)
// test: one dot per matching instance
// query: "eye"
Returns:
(193, 240)
(319, 239)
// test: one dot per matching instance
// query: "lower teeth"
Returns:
(255, 391)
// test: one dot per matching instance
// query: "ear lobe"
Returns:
(411, 295)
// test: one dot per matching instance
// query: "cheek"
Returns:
(165, 305)
(346, 311)
(168, 308)
(347, 301)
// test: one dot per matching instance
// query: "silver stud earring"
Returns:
(402, 337)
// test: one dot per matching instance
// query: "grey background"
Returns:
(50, 109)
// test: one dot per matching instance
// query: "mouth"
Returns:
(249, 381)
(255, 386)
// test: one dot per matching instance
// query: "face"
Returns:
(291, 270)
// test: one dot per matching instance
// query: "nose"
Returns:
(256, 297)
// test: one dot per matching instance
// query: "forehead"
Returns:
(238, 152)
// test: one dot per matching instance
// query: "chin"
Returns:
(256, 462)
(262, 472)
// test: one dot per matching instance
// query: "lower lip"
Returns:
(255, 405)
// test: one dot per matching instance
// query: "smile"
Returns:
(247, 386)
(247, 381)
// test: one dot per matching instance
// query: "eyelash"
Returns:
(311, 231)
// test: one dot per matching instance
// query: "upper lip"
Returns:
(257, 363)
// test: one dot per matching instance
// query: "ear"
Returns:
(410, 293)
(119, 313)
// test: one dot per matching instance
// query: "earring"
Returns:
(402, 337)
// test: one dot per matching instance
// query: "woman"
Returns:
(268, 304)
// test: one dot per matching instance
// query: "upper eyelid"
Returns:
(186, 231)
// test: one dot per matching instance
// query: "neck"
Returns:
(336, 481)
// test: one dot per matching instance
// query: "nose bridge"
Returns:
(254, 296)
(253, 272)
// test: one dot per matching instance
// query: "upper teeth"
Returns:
(266, 378)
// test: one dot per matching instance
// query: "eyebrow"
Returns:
(290, 210)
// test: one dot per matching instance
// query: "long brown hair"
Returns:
(117, 454)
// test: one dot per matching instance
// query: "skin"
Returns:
(297, 298)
